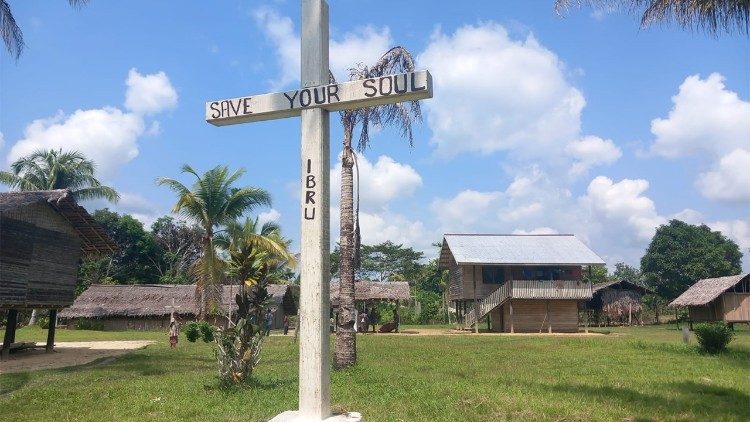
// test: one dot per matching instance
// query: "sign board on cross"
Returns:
(332, 97)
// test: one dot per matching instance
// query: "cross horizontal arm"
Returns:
(387, 89)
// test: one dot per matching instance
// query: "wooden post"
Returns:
(476, 303)
(630, 314)
(549, 320)
(314, 367)
(510, 304)
(52, 324)
(10, 332)
(587, 320)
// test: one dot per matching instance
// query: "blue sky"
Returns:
(540, 124)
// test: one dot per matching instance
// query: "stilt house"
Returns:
(717, 299)
(43, 235)
(526, 283)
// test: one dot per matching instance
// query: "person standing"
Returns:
(174, 333)
(286, 324)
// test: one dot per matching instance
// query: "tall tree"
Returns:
(55, 169)
(11, 32)
(212, 202)
(181, 247)
(400, 116)
(388, 261)
(627, 272)
(680, 254)
(250, 246)
(710, 16)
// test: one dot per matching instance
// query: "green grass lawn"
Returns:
(638, 373)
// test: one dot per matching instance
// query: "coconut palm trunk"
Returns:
(346, 340)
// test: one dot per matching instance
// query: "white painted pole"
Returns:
(314, 384)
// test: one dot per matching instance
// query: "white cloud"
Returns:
(149, 94)
(107, 136)
(689, 216)
(591, 151)
(379, 183)
(270, 215)
(2, 140)
(465, 209)
(364, 45)
(737, 230)
(496, 93)
(624, 203)
(706, 117)
(538, 230)
(378, 227)
(730, 180)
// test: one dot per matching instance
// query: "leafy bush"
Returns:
(89, 324)
(42, 322)
(238, 348)
(207, 331)
(713, 338)
(192, 331)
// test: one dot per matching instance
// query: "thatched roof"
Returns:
(373, 290)
(149, 300)
(94, 239)
(621, 285)
(706, 290)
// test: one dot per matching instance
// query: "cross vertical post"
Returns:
(314, 383)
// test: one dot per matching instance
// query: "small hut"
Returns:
(148, 306)
(43, 235)
(617, 301)
(717, 299)
(368, 292)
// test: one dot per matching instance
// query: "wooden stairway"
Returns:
(487, 304)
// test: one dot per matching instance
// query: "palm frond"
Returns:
(10, 31)
(97, 192)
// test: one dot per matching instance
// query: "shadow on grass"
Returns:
(251, 384)
(737, 355)
(12, 382)
(676, 398)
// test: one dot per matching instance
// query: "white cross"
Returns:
(173, 307)
(313, 102)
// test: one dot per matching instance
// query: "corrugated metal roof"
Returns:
(706, 290)
(518, 250)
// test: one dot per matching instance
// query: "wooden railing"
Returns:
(550, 289)
(527, 289)
(487, 304)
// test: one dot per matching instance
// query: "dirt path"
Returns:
(70, 353)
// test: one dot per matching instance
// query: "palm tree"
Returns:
(401, 115)
(54, 169)
(212, 202)
(245, 241)
(710, 16)
(11, 32)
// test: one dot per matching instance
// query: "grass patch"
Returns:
(637, 373)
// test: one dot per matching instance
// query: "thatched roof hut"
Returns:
(717, 299)
(373, 290)
(140, 303)
(618, 300)
(43, 236)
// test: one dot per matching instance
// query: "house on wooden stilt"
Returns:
(717, 299)
(43, 235)
(525, 283)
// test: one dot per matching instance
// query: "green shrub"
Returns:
(207, 331)
(713, 338)
(89, 324)
(42, 322)
(192, 331)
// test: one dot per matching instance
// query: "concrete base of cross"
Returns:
(294, 416)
